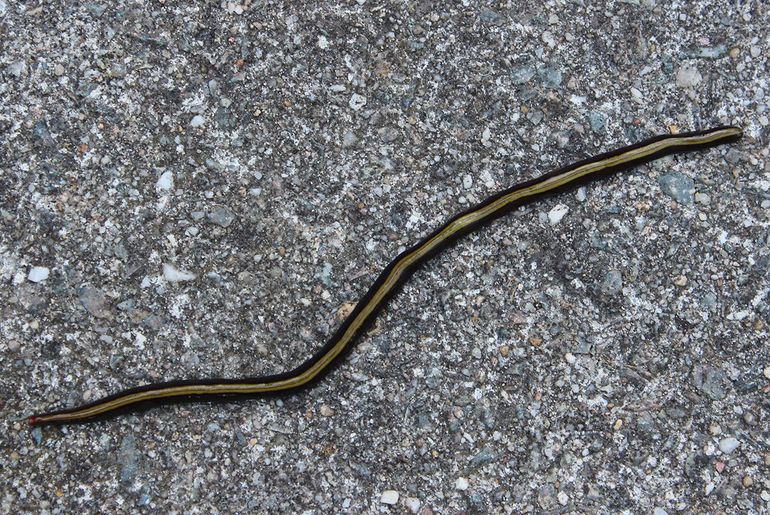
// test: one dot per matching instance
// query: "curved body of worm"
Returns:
(390, 279)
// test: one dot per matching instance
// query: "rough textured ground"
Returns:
(200, 189)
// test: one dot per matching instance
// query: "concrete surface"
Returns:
(200, 189)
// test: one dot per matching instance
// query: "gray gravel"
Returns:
(201, 189)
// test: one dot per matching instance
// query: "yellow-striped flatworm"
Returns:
(390, 279)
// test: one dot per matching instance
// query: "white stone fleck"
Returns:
(16, 69)
(738, 315)
(729, 444)
(702, 198)
(461, 483)
(234, 8)
(357, 101)
(766, 372)
(688, 76)
(139, 340)
(173, 274)
(549, 39)
(38, 274)
(389, 497)
(557, 213)
(18, 278)
(323, 43)
(197, 121)
(165, 182)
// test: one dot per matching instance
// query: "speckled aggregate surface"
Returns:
(192, 189)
